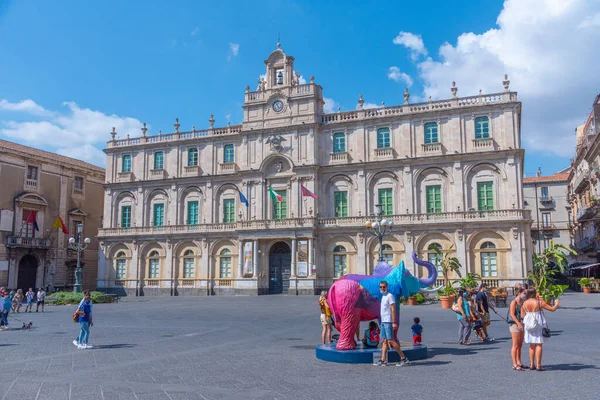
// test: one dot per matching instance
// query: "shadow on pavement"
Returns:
(458, 351)
(114, 346)
(419, 363)
(570, 367)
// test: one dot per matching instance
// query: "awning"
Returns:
(585, 266)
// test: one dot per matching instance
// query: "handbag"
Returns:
(455, 308)
(545, 330)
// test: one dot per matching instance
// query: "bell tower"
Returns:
(280, 98)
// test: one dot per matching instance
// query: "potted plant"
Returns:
(542, 273)
(447, 264)
(585, 284)
(470, 281)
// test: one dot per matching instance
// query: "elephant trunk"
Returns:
(431, 269)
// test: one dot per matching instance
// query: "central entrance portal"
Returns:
(280, 268)
(28, 267)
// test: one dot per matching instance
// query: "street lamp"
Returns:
(76, 244)
(380, 227)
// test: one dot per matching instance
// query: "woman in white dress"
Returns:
(534, 306)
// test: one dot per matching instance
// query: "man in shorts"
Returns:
(483, 307)
(388, 326)
(41, 296)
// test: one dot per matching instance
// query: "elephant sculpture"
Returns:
(354, 298)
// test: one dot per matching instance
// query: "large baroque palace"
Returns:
(197, 212)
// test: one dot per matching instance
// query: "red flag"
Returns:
(306, 192)
(31, 220)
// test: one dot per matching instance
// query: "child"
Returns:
(325, 318)
(478, 326)
(7, 307)
(371, 336)
(29, 297)
(416, 329)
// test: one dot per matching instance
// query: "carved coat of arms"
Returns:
(276, 142)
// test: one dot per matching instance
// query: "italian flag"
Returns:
(275, 195)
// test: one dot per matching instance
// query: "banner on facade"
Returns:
(248, 258)
(302, 268)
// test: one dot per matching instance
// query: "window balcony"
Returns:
(581, 181)
(160, 173)
(385, 153)
(191, 170)
(432, 148)
(27, 243)
(78, 192)
(125, 177)
(228, 168)
(484, 144)
(31, 184)
(339, 158)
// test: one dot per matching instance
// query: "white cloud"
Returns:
(551, 64)
(27, 106)
(370, 105)
(79, 132)
(330, 105)
(234, 49)
(412, 42)
(228, 117)
(195, 31)
(395, 75)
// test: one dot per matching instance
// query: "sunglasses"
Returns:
(382, 286)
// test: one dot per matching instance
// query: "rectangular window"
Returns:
(489, 267)
(27, 228)
(192, 157)
(546, 220)
(383, 138)
(280, 207)
(159, 214)
(434, 199)
(228, 211)
(32, 173)
(192, 218)
(570, 217)
(385, 199)
(126, 167)
(74, 232)
(436, 260)
(154, 268)
(225, 270)
(482, 128)
(126, 217)
(544, 192)
(188, 267)
(431, 132)
(78, 183)
(546, 243)
(485, 196)
(341, 204)
(339, 265)
(228, 154)
(339, 143)
(159, 160)
(121, 267)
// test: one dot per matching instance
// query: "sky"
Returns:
(71, 70)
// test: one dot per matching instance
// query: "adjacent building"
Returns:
(37, 187)
(231, 209)
(584, 189)
(546, 198)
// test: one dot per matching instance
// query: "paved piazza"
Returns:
(263, 348)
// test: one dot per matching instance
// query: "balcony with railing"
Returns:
(31, 184)
(229, 167)
(385, 153)
(581, 180)
(483, 144)
(159, 173)
(339, 158)
(125, 176)
(432, 148)
(586, 213)
(191, 170)
(27, 242)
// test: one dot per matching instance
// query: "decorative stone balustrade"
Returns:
(432, 148)
(384, 153)
(191, 170)
(160, 173)
(125, 176)
(228, 130)
(227, 167)
(483, 144)
(339, 158)
(27, 242)
(31, 183)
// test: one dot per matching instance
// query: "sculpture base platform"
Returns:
(364, 355)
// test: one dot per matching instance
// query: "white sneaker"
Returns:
(81, 346)
(403, 363)
(75, 343)
(87, 346)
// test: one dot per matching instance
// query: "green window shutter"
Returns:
(431, 132)
(229, 155)
(159, 214)
(482, 128)
(434, 199)
(339, 143)
(121, 267)
(154, 269)
(126, 167)
(126, 217)
(192, 157)
(485, 196)
(341, 204)
(280, 207)
(188, 267)
(385, 199)
(159, 160)
(229, 211)
(192, 218)
(383, 138)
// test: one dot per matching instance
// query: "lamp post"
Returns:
(380, 227)
(79, 247)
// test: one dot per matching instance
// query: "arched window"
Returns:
(188, 264)
(383, 138)
(192, 157)
(435, 258)
(489, 264)
(225, 263)
(388, 254)
(120, 265)
(482, 128)
(339, 142)
(154, 265)
(339, 261)
(159, 160)
(228, 154)
(126, 166)
(431, 132)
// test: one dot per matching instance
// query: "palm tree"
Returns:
(447, 263)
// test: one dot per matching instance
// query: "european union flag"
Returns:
(243, 198)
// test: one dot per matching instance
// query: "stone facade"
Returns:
(584, 187)
(546, 197)
(46, 185)
(447, 173)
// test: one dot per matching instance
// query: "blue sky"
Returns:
(71, 70)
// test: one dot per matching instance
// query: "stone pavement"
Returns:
(263, 348)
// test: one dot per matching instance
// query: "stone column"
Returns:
(310, 257)
(240, 259)
(255, 259)
(293, 274)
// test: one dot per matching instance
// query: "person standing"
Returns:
(515, 326)
(41, 296)
(85, 322)
(29, 298)
(464, 317)
(388, 325)
(483, 307)
(532, 310)
(325, 318)
(7, 308)
(17, 300)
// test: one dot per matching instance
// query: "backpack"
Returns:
(530, 322)
(374, 336)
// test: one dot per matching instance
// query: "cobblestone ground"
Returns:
(264, 348)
